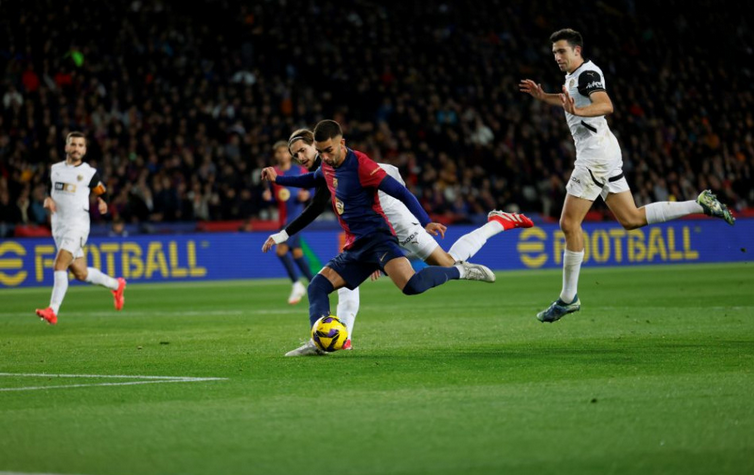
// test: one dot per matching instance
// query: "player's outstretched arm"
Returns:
(269, 174)
(535, 90)
(307, 180)
(392, 187)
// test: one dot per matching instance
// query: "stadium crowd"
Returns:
(183, 104)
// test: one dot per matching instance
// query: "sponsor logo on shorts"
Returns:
(411, 237)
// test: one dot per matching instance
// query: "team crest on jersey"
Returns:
(571, 83)
(335, 182)
(80, 177)
(339, 206)
(284, 194)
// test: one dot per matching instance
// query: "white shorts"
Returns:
(414, 238)
(588, 184)
(72, 242)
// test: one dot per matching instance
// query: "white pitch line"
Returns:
(189, 313)
(30, 473)
(130, 383)
(104, 376)
(150, 380)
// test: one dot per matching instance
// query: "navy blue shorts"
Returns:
(366, 256)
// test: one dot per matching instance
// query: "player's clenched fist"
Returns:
(269, 174)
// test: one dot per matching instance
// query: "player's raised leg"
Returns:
(624, 208)
(411, 282)
(712, 207)
(497, 221)
(95, 276)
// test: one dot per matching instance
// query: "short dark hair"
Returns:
(573, 37)
(327, 129)
(75, 134)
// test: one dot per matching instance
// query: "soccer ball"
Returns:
(329, 334)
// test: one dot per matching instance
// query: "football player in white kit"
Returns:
(411, 235)
(72, 182)
(598, 167)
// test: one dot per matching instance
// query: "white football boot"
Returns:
(297, 292)
(308, 349)
(477, 272)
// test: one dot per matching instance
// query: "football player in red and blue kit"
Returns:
(354, 180)
(290, 203)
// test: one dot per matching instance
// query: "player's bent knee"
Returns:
(569, 227)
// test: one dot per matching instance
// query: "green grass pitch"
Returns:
(655, 375)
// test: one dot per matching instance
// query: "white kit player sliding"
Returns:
(598, 170)
(411, 235)
(72, 182)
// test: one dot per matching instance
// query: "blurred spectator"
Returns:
(181, 107)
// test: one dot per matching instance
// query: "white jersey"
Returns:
(596, 147)
(71, 187)
(409, 231)
(394, 209)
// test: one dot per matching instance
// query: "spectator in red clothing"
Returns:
(30, 79)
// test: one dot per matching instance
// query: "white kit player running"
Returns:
(598, 167)
(72, 182)
(411, 235)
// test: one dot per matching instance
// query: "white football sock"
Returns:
(469, 244)
(663, 211)
(571, 268)
(348, 307)
(59, 288)
(95, 276)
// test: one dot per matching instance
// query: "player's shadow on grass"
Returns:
(619, 352)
